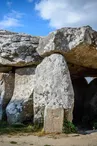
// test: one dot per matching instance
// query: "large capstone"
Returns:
(20, 107)
(6, 92)
(78, 45)
(53, 87)
(5, 69)
(18, 49)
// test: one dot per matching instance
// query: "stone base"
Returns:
(53, 120)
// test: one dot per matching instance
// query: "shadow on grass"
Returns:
(5, 128)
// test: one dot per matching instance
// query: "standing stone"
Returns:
(53, 120)
(20, 107)
(53, 86)
(6, 91)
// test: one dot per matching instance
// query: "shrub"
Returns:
(68, 127)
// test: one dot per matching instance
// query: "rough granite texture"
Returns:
(66, 39)
(18, 49)
(6, 91)
(78, 45)
(53, 120)
(20, 107)
(53, 86)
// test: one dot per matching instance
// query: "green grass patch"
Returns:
(5, 128)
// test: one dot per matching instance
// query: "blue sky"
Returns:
(39, 17)
(20, 16)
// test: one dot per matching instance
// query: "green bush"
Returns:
(68, 127)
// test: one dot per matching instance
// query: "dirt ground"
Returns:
(49, 140)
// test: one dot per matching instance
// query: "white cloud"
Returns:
(12, 19)
(61, 13)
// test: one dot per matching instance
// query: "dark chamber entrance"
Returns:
(85, 104)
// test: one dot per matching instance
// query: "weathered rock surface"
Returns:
(53, 120)
(20, 107)
(80, 88)
(78, 45)
(6, 91)
(53, 87)
(18, 49)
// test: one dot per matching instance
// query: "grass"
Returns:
(69, 127)
(47, 145)
(5, 128)
(13, 142)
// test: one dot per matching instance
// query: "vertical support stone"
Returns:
(53, 89)
(20, 108)
(6, 92)
(53, 120)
